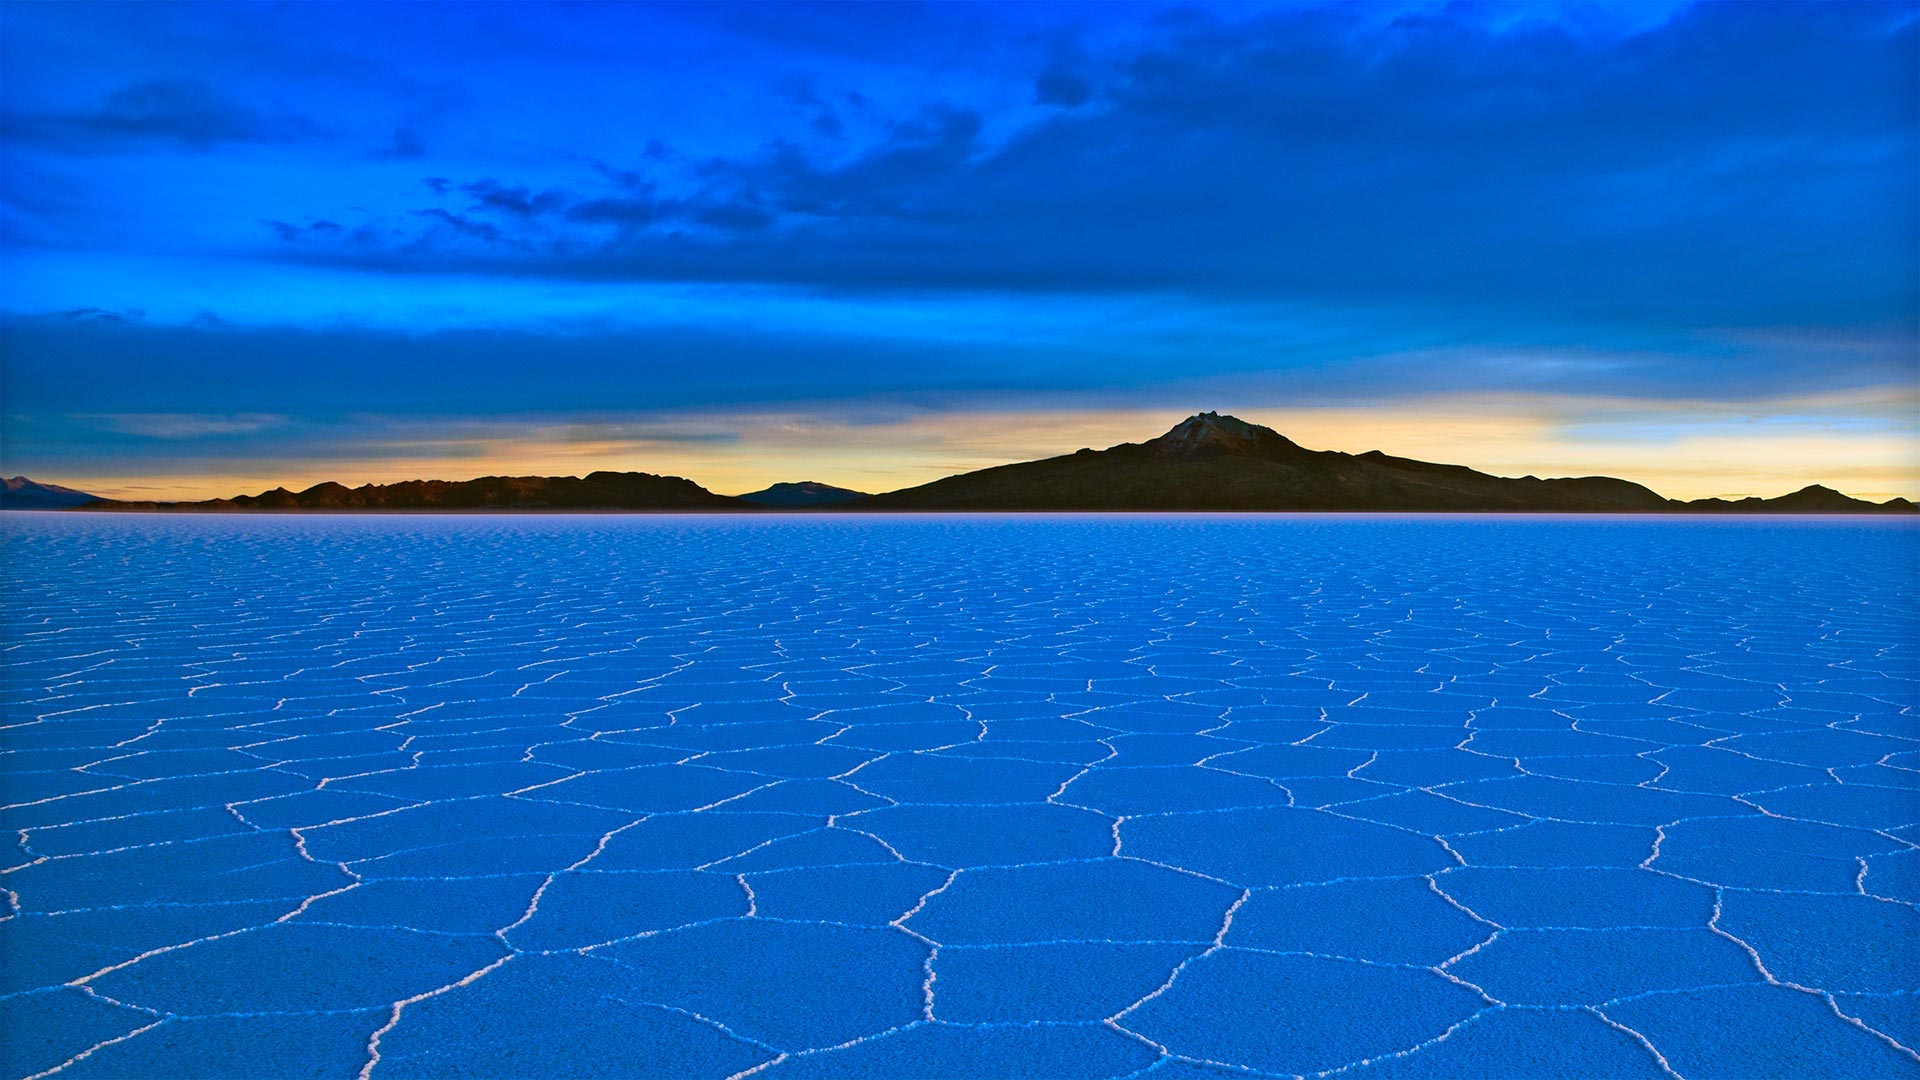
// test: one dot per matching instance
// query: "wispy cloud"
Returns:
(191, 113)
(184, 425)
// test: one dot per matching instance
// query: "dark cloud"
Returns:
(408, 144)
(184, 112)
(1734, 164)
(822, 119)
(743, 215)
(513, 199)
(429, 104)
(623, 211)
(92, 315)
(447, 222)
(1059, 86)
(318, 229)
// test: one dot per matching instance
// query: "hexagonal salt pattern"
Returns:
(986, 796)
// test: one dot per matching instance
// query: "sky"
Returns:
(245, 245)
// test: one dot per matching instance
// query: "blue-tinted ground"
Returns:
(1172, 797)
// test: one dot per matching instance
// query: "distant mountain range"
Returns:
(804, 493)
(20, 493)
(1216, 462)
(1206, 462)
(595, 491)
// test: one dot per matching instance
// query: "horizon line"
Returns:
(282, 487)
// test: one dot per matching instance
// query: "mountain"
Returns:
(804, 493)
(595, 491)
(20, 493)
(1812, 499)
(1206, 462)
(1215, 462)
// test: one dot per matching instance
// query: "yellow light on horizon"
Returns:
(1681, 449)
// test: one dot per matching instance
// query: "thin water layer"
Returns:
(959, 796)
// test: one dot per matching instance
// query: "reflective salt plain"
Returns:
(988, 796)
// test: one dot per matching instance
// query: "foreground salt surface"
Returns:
(1085, 797)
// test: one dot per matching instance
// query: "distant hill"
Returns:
(1215, 462)
(804, 493)
(1812, 499)
(20, 493)
(595, 491)
(1206, 462)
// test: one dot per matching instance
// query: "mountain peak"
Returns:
(22, 493)
(1210, 433)
(802, 493)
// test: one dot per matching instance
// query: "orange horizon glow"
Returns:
(1681, 449)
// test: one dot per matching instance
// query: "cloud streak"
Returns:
(184, 425)
(190, 113)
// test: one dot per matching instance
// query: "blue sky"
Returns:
(247, 244)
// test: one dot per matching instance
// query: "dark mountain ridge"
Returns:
(804, 493)
(1206, 462)
(595, 491)
(1215, 462)
(20, 493)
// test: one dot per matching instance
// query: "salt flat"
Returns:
(960, 796)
